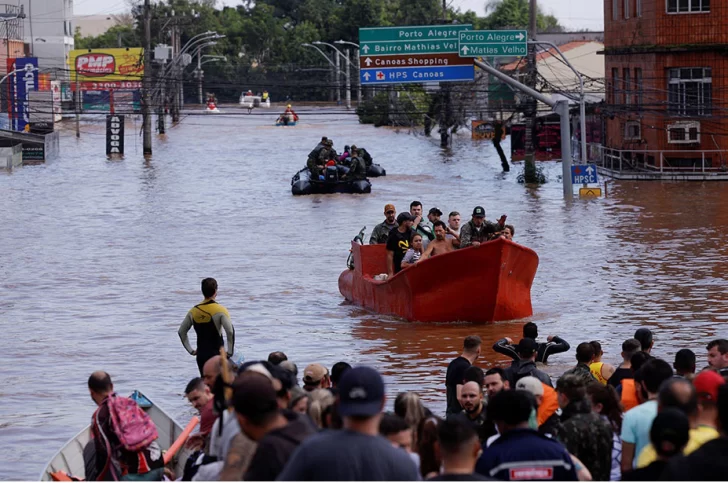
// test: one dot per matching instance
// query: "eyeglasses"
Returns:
(390, 212)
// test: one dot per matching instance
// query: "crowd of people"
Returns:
(643, 419)
(410, 237)
(354, 160)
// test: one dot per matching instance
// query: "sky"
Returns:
(573, 14)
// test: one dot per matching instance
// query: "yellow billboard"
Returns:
(102, 69)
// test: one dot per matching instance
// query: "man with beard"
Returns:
(381, 231)
(471, 399)
(440, 244)
(477, 230)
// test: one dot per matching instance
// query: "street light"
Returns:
(338, 91)
(347, 73)
(199, 67)
(358, 66)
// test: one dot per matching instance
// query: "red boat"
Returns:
(488, 283)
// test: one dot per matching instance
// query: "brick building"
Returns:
(666, 69)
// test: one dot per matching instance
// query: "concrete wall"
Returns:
(11, 157)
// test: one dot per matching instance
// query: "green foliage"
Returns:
(116, 36)
(514, 14)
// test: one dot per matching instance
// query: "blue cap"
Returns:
(361, 392)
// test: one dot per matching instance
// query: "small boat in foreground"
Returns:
(302, 184)
(487, 283)
(286, 123)
(69, 458)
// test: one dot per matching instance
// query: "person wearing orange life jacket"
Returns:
(290, 114)
(547, 403)
(601, 371)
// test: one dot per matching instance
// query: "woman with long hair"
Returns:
(427, 437)
(605, 402)
(408, 406)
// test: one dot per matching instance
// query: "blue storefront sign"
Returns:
(21, 83)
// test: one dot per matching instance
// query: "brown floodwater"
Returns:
(102, 259)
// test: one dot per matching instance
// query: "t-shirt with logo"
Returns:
(398, 243)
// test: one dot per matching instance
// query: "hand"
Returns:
(476, 244)
(549, 338)
(195, 442)
(502, 220)
(509, 340)
(194, 353)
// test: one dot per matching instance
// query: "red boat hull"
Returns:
(488, 283)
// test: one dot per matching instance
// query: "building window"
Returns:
(615, 85)
(638, 88)
(683, 133)
(626, 8)
(632, 130)
(627, 87)
(688, 6)
(690, 91)
(615, 9)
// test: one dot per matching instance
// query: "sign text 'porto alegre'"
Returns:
(493, 43)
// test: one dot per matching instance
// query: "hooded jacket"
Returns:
(522, 368)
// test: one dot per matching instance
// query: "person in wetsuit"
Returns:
(208, 319)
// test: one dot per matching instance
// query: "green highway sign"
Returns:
(409, 47)
(427, 39)
(477, 43)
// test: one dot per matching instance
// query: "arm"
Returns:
(555, 345)
(608, 370)
(390, 263)
(182, 332)
(629, 441)
(453, 232)
(373, 238)
(628, 450)
(465, 237)
(503, 346)
(428, 252)
(227, 325)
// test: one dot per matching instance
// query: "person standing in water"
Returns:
(208, 319)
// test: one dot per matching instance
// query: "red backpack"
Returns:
(134, 428)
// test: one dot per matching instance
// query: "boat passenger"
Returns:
(366, 156)
(440, 244)
(345, 154)
(398, 243)
(357, 169)
(199, 395)
(600, 370)
(208, 318)
(420, 226)
(478, 230)
(381, 231)
(317, 165)
(508, 232)
(553, 345)
(453, 222)
(414, 254)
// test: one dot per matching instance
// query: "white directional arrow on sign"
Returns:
(368, 61)
(521, 36)
(365, 49)
(465, 50)
(590, 170)
(366, 76)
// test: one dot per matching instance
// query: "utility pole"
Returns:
(532, 103)
(348, 81)
(338, 79)
(446, 105)
(146, 87)
(160, 109)
(199, 77)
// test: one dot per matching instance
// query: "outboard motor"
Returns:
(332, 174)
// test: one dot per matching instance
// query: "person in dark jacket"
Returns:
(709, 462)
(478, 230)
(459, 447)
(526, 365)
(584, 355)
(278, 433)
(583, 432)
(669, 435)
(553, 345)
(521, 453)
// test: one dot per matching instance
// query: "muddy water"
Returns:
(101, 260)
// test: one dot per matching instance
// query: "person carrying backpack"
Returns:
(124, 438)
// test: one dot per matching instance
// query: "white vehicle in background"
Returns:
(250, 101)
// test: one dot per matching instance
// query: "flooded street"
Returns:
(102, 259)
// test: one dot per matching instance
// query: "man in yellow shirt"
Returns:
(699, 401)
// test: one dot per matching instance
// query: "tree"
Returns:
(514, 14)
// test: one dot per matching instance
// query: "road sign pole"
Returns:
(562, 108)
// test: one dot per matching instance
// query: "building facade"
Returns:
(48, 33)
(666, 69)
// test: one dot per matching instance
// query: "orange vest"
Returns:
(629, 394)
(549, 404)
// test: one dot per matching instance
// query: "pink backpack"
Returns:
(134, 428)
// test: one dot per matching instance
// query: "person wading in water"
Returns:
(209, 319)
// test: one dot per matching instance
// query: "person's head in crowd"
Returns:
(440, 230)
(256, 404)
(532, 385)
(407, 405)
(570, 389)
(527, 349)
(299, 401)
(475, 374)
(508, 232)
(644, 335)
(405, 220)
(605, 402)
(679, 394)
(198, 393)
(650, 377)
(496, 381)
(478, 216)
(430, 460)
(458, 445)
(338, 370)
(277, 357)
(453, 220)
(416, 242)
(284, 386)
(598, 352)
(100, 386)
(471, 398)
(290, 367)
(416, 209)
(684, 364)
(530, 330)
(718, 353)
(397, 431)
(318, 401)
(511, 410)
(670, 433)
(629, 348)
(389, 212)
(330, 418)
(471, 348)
(210, 370)
(584, 353)
(707, 387)
(434, 215)
(361, 399)
(316, 376)
(638, 360)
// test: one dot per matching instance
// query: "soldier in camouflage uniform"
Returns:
(357, 169)
(478, 230)
(380, 234)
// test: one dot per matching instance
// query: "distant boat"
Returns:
(69, 458)
(488, 283)
(302, 184)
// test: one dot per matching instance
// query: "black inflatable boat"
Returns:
(302, 184)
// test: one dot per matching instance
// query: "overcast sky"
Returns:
(574, 14)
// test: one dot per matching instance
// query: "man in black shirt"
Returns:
(624, 371)
(471, 399)
(459, 449)
(398, 243)
(456, 372)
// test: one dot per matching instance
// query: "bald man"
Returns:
(210, 371)
(471, 399)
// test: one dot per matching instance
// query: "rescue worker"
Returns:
(208, 319)
(381, 231)
(265, 96)
(478, 230)
(357, 169)
(365, 156)
(290, 114)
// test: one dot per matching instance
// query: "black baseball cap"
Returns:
(479, 211)
(404, 216)
(527, 346)
(361, 392)
(435, 211)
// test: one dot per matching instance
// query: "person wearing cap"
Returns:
(684, 364)
(644, 335)
(547, 403)
(316, 376)
(358, 452)
(584, 433)
(526, 364)
(553, 345)
(380, 234)
(584, 356)
(357, 168)
(315, 152)
(398, 243)
(471, 399)
(718, 356)
(477, 230)
(278, 433)
(669, 434)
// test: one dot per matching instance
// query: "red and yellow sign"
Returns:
(110, 66)
(484, 130)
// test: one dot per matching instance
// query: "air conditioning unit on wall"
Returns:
(683, 133)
